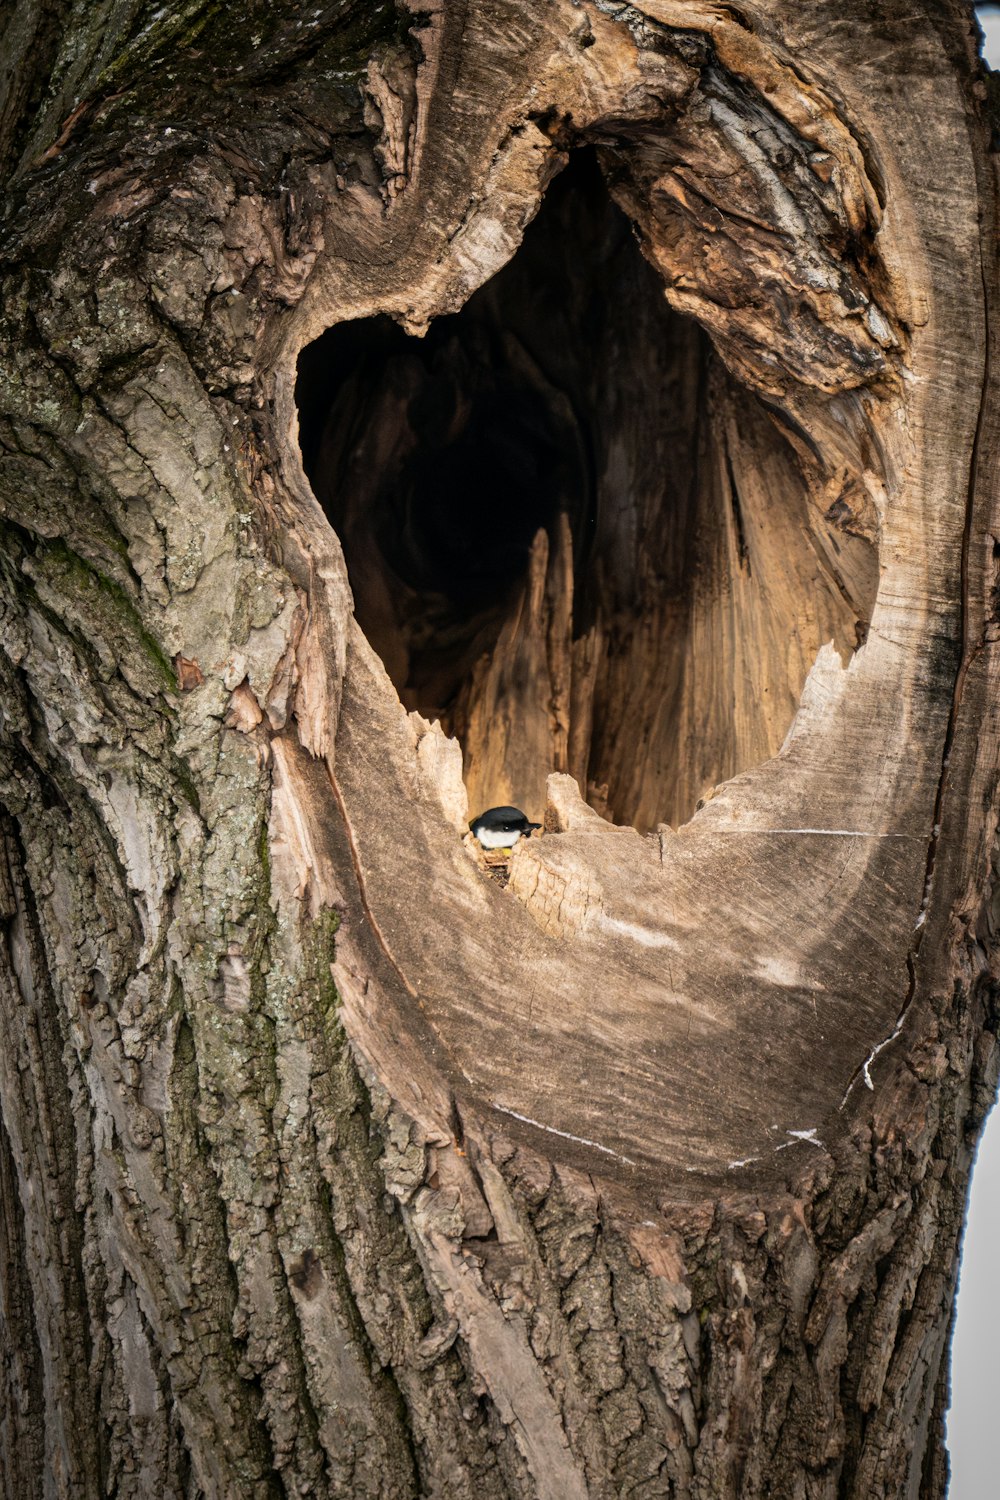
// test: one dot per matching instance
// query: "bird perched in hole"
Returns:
(501, 827)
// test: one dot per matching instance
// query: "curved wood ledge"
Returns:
(688, 1001)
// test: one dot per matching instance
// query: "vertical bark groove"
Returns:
(22, 1423)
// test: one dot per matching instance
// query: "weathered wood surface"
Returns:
(760, 908)
(642, 1175)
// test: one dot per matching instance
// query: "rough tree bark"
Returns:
(328, 1166)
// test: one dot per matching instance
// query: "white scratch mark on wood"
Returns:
(565, 1134)
(867, 1064)
(644, 935)
(834, 833)
(801, 1135)
(806, 1135)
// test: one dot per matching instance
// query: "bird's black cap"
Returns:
(503, 820)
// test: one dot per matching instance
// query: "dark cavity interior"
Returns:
(570, 535)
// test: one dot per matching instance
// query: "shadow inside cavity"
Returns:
(570, 535)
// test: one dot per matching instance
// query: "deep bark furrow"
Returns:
(39, 1125)
(22, 1403)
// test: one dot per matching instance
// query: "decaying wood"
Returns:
(329, 1164)
(707, 572)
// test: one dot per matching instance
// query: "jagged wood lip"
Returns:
(783, 988)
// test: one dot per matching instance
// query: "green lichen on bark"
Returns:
(122, 65)
(102, 608)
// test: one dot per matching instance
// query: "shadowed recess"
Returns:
(570, 534)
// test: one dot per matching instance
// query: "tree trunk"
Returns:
(585, 405)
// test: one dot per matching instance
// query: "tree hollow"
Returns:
(571, 535)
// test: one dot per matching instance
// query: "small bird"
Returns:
(501, 827)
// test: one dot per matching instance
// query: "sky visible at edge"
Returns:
(975, 1364)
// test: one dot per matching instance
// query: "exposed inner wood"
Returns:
(635, 998)
(571, 535)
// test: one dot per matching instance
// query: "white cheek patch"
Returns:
(497, 839)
